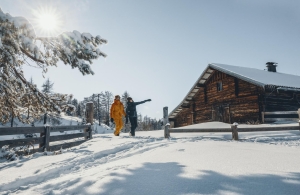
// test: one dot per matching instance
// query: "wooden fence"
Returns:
(233, 128)
(280, 116)
(45, 138)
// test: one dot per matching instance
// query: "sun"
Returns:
(47, 21)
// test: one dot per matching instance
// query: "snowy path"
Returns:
(149, 164)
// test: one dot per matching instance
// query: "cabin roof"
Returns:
(255, 76)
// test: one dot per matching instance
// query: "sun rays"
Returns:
(48, 21)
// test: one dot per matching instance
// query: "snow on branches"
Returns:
(19, 46)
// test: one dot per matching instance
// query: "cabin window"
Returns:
(219, 86)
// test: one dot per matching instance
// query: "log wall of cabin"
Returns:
(239, 98)
(277, 100)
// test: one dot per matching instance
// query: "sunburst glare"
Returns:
(48, 22)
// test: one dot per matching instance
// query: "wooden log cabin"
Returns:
(230, 94)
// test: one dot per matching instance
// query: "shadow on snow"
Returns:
(168, 178)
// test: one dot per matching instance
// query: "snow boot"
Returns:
(116, 134)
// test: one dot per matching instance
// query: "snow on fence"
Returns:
(233, 128)
(44, 140)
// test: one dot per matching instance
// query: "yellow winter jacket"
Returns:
(117, 110)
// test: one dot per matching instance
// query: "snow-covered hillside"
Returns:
(188, 163)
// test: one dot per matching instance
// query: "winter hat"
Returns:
(117, 96)
(129, 98)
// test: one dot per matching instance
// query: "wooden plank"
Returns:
(68, 128)
(185, 106)
(282, 112)
(47, 137)
(90, 132)
(20, 130)
(21, 142)
(68, 136)
(283, 128)
(235, 134)
(66, 145)
(178, 130)
(281, 119)
(200, 85)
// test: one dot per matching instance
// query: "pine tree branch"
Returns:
(25, 82)
(30, 56)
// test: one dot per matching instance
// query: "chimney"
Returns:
(271, 66)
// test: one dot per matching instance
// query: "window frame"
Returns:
(219, 86)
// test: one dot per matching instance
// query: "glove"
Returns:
(111, 120)
(126, 120)
(148, 100)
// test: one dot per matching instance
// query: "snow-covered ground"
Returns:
(188, 163)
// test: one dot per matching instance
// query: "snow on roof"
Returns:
(252, 75)
(259, 77)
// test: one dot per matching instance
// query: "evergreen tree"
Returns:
(47, 87)
(18, 43)
(78, 110)
(107, 99)
(31, 81)
(124, 97)
(75, 102)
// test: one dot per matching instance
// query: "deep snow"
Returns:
(188, 163)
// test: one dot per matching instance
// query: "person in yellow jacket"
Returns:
(116, 113)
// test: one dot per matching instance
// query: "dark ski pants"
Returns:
(133, 122)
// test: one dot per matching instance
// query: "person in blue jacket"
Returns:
(132, 114)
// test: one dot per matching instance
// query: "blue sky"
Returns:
(157, 49)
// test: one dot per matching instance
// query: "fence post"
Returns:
(42, 135)
(167, 131)
(89, 118)
(90, 132)
(299, 117)
(166, 121)
(45, 118)
(263, 117)
(234, 130)
(47, 137)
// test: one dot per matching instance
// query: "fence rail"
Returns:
(233, 129)
(45, 138)
(280, 116)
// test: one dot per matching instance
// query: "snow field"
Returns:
(192, 163)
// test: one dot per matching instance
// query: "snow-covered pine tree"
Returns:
(139, 122)
(47, 86)
(78, 110)
(19, 45)
(107, 99)
(75, 102)
(124, 97)
(31, 81)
